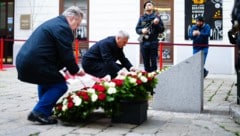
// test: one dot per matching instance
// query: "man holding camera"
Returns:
(149, 26)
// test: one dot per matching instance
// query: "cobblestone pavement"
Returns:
(18, 98)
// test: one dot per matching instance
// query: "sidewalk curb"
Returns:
(234, 110)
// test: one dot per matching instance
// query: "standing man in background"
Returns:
(43, 55)
(149, 27)
(200, 34)
(236, 28)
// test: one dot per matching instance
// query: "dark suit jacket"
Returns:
(47, 50)
(101, 58)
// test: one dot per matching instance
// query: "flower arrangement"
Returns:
(78, 105)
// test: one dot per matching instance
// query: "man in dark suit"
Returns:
(100, 59)
(43, 55)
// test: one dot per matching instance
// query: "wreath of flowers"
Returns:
(134, 86)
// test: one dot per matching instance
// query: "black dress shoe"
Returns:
(41, 118)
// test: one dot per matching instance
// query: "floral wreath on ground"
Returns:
(134, 86)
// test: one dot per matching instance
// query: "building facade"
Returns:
(106, 17)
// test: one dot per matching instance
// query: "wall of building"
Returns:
(39, 10)
(107, 17)
(220, 59)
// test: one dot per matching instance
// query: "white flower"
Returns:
(65, 101)
(139, 74)
(109, 84)
(94, 97)
(143, 79)
(132, 80)
(122, 77)
(151, 75)
(111, 90)
(76, 100)
(91, 90)
(64, 107)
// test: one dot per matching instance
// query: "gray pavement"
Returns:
(18, 98)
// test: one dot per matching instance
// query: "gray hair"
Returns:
(122, 34)
(73, 11)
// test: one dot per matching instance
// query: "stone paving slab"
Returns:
(18, 98)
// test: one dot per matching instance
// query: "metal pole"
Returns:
(1, 54)
(160, 56)
(77, 51)
(238, 86)
(238, 75)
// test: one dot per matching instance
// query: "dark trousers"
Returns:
(204, 49)
(149, 51)
(205, 53)
(98, 68)
(48, 96)
(237, 66)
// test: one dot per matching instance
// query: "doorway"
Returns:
(7, 29)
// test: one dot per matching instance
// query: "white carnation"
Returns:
(111, 90)
(94, 97)
(143, 79)
(139, 74)
(65, 101)
(132, 80)
(91, 90)
(109, 84)
(64, 107)
(122, 77)
(77, 101)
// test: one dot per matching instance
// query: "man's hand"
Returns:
(133, 69)
(196, 33)
(156, 21)
(144, 30)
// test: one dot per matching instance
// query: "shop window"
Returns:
(82, 32)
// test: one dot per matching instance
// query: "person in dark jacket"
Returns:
(235, 31)
(149, 27)
(200, 33)
(43, 55)
(100, 59)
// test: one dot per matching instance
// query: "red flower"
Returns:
(70, 104)
(99, 88)
(84, 95)
(59, 107)
(139, 81)
(101, 96)
(118, 82)
(69, 98)
(150, 78)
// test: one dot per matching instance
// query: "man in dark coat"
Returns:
(100, 59)
(43, 55)
(149, 27)
(236, 30)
